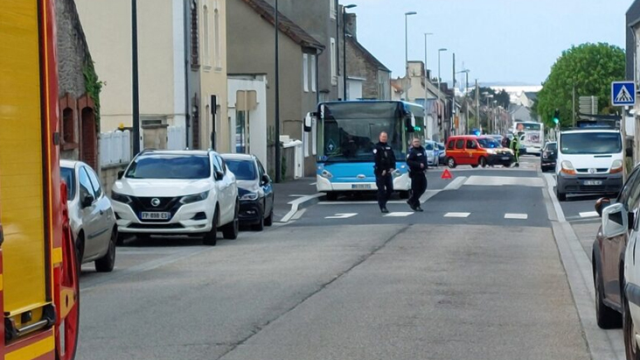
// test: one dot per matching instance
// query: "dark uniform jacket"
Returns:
(416, 157)
(385, 159)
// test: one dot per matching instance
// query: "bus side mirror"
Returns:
(308, 121)
(410, 123)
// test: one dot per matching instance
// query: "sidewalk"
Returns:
(299, 191)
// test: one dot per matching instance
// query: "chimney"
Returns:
(352, 25)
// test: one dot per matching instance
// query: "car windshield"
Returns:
(68, 176)
(530, 126)
(489, 143)
(428, 146)
(552, 146)
(242, 169)
(169, 166)
(440, 146)
(590, 143)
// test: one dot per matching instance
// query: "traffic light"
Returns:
(556, 116)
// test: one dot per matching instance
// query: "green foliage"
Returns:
(591, 68)
(93, 86)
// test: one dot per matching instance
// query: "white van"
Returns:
(589, 162)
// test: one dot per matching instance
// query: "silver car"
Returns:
(92, 220)
(431, 148)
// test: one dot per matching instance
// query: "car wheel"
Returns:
(483, 162)
(451, 163)
(108, 261)
(260, 225)
(560, 195)
(629, 333)
(607, 317)
(211, 238)
(230, 231)
(268, 221)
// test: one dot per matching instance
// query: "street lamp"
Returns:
(426, 77)
(440, 51)
(344, 52)
(277, 90)
(466, 91)
(406, 40)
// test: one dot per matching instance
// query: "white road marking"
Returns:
(516, 216)
(456, 183)
(399, 214)
(504, 180)
(299, 214)
(313, 184)
(342, 216)
(296, 203)
(589, 214)
(457, 215)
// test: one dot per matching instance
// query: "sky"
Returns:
(505, 41)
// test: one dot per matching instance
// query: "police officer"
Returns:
(515, 146)
(385, 164)
(417, 162)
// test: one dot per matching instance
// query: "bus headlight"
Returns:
(325, 174)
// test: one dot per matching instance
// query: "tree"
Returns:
(590, 68)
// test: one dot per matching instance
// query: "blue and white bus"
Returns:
(347, 132)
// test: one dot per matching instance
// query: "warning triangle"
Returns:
(624, 95)
(446, 174)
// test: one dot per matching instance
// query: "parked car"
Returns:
(177, 193)
(255, 190)
(615, 273)
(91, 216)
(549, 156)
(589, 161)
(431, 148)
(497, 154)
(442, 154)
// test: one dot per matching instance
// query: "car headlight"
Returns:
(616, 167)
(491, 151)
(249, 196)
(325, 174)
(120, 198)
(567, 168)
(189, 199)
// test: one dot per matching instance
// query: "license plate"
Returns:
(592, 182)
(505, 158)
(155, 216)
(361, 187)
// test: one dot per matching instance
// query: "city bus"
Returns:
(39, 293)
(533, 137)
(347, 132)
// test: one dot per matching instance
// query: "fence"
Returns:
(176, 139)
(115, 148)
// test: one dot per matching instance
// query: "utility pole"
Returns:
(134, 76)
(426, 81)
(277, 88)
(453, 98)
(477, 105)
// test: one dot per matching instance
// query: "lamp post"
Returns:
(426, 79)
(344, 52)
(134, 75)
(277, 89)
(440, 51)
(406, 40)
(466, 95)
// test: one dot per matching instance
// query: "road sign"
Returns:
(446, 174)
(623, 93)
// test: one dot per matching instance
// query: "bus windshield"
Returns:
(350, 131)
(531, 126)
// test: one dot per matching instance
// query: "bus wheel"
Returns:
(404, 194)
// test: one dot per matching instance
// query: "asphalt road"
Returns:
(476, 276)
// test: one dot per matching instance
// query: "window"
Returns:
(207, 39)
(243, 169)
(163, 166)
(85, 185)
(591, 143)
(314, 85)
(97, 188)
(68, 128)
(471, 144)
(334, 69)
(314, 142)
(332, 8)
(459, 144)
(450, 145)
(262, 172)
(69, 178)
(305, 71)
(216, 24)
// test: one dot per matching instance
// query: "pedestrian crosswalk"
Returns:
(402, 214)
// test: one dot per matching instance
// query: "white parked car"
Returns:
(431, 148)
(91, 216)
(177, 193)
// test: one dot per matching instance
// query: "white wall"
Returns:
(257, 117)
(354, 89)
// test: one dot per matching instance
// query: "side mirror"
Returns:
(601, 204)
(265, 179)
(615, 221)
(120, 174)
(409, 124)
(219, 175)
(308, 121)
(87, 200)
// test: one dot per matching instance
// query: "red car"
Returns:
(476, 151)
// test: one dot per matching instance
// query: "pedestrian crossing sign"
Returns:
(623, 93)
